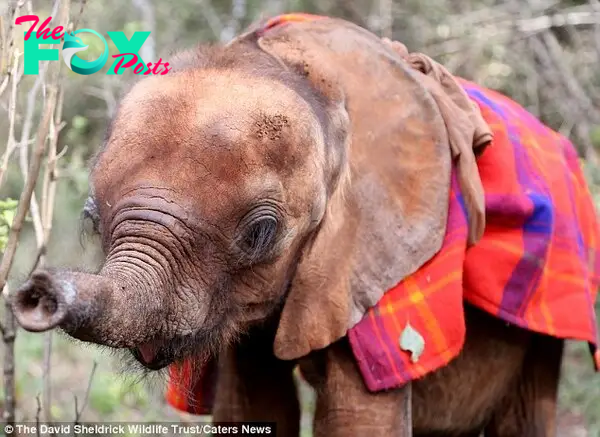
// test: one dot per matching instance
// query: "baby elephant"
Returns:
(311, 196)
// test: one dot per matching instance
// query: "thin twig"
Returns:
(24, 152)
(8, 338)
(14, 8)
(211, 17)
(46, 377)
(37, 413)
(48, 195)
(385, 13)
(78, 413)
(44, 220)
(238, 12)
(36, 262)
(12, 110)
(106, 94)
(546, 22)
(82, 4)
(596, 6)
(146, 8)
(9, 324)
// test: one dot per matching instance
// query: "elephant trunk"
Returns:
(114, 308)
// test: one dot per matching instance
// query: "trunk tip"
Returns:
(40, 303)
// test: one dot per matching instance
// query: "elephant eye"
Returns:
(90, 217)
(259, 236)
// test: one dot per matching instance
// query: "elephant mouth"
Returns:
(161, 351)
(153, 355)
(158, 353)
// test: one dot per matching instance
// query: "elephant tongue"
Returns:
(148, 351)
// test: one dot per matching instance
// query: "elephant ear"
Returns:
(389, 157)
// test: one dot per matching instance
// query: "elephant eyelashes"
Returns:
(90, 217)
(258, 236)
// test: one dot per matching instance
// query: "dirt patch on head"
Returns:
(271, 127)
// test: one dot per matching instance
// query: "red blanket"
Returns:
(536, 267)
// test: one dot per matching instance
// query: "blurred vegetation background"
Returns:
(543, 53)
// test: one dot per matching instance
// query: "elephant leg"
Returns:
(344, 407)
(460, 398)
(253, 385)
(529, 409)
(467, 434)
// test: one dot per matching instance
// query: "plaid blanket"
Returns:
(536, 267)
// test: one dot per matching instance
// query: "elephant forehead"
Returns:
(191, 99)
(211, 113)
(215, 130)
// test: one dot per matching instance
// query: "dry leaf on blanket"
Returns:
(412, 341)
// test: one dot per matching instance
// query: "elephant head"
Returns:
(295, 175)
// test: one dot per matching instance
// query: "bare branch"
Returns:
(36, 216)
(146, 8)
(596, 6)
(546, 22)
(14, 8)
(385, 12)
(8, 338)
(75, 23)
(34, 169)
(568, 77)
(40, 253)
(25, 201)
(46, 377)
(105, 93)
(212, 18)
(37, 413)
(238, 12)
(78, 413)
(24, 146)
(12, 109)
